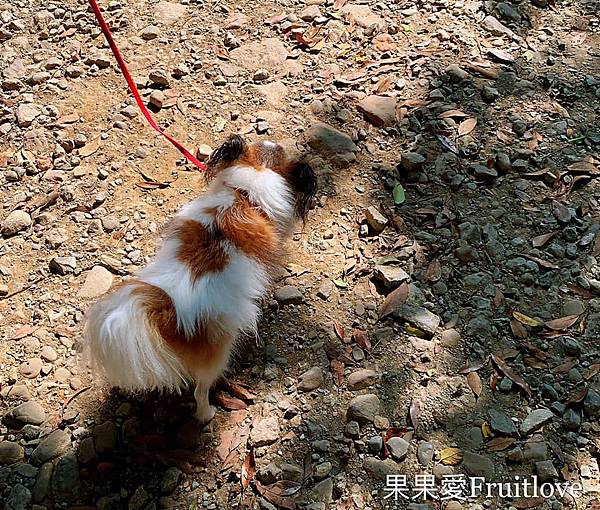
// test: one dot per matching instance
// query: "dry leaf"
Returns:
(500, 443)
(578, 397)
(542, 240)
(362, 339)
(466, 126)
(518, 330)
(592, 371)
(544, 263)
(238, 390)
(536, 138)
(414, 412)
(280, 493)
(451, 456)
(24, 331)
(467, 369)
(564, 367)
(498, 298)
(562, 323)
(474, 382)
(525, 503)
(452, 113)
(512, 374)
(248, 470)
(526, 320)
(384, 42)
(337, 370)
(383, 85)
(486, 430)
(339, 331)
(394, 299)
(229, 403)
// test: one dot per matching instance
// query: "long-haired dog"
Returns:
(176, 321)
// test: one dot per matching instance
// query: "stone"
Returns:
(322, 470)
(269, 474)
(310, 12)
(491, 24)
(150, 32)
(157, 98)
(311, 379)
(591, 403)
(16, 392)
(31, 368)
(48, 353)
(362, 15)
(419, 317)
(353, 429)
(288, 295)
(98, 281)
(331, 142)
(425, 452)
(265, 432)
(42, 482)
(16, 222)
(53, 445)
(571, 419)
(56, 237)
(412, 161)
(105, 437)
(535, 449)
(457, 74)
(65, 477)
(86, 452)
(381, 469)
(325, 290)
(110, 223)
(169, 13)
(322, 491)
(501, 423)
(390, 276)
(379, 110)
(30, 412)
(274, 92)
(376, 221)
(62, 265)
(398, 448)
(270, 54)
(545, 470)
(10, 452)
(362, 379)
(27, 113)
(535, 420)
(363, 408)
(484, 173)
(19, 498)
(170, 480)
(478, 465)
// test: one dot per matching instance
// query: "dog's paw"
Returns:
(205, 415)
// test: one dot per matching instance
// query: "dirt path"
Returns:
(439, 313)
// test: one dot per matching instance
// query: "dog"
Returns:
(177, 320)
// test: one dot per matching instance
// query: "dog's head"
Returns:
(267, 155)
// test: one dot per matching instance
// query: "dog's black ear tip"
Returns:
(231, 150)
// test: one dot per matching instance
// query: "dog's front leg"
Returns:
(204, 411)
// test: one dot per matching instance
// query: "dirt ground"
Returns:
(439, 311)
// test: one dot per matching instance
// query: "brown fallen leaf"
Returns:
(466, 126)
(578, 397)
(362, 339)
(248, 470)
(542, 240)
(580, 291)
(227, 402)
(394, 299)
(452, 113)
(592, 371)
(543, 263)
(526, 320)
(511, 374)
(499, 444)
(451, 456)
(473, 367)
(535, 351)
(238, 390)
(339, 331)
(24, 331)
(474, 382)
(518, 330)
(383, 85)
(535, 140)
(562, 323)
(280, 493)
(414, 413)
(337, 370)
(498, 298)
(565, 366)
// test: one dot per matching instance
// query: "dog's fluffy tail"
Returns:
(121, 343)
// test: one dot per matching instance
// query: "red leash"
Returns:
(109, 38)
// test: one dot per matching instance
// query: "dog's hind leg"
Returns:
(204, 411)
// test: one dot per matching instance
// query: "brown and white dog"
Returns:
(176, 321)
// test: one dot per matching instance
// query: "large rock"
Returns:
(270, 54)
(311, 379)
(381, 469)
(97, 282)
(29, 412)
(390, 276)
(168, 13)
(535, 420)
(19, 498)
(363, 408)
(379, 110)
(332, 143)
(274, 93)
(15, 222)
(419, 317)
(10, 452)
(27, 113)
(501, 423)
(362, 15)
(361, 379)
(478, 465)
(265, 432)
(55, 444)
(288, 295)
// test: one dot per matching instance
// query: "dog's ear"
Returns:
(231, 150)
(304, 182)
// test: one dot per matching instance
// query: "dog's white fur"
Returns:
(118, 333)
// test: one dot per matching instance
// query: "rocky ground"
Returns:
(440, 310)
